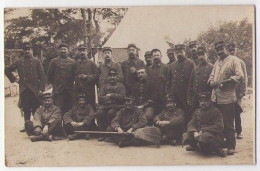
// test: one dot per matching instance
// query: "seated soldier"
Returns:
(111, 99)
(46, 122)
(80, 118)
(141, 91)
(127, 120)
(171, 123)
(205, 130)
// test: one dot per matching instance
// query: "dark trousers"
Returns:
(64, 101)
(228, 113)
(206, 142)
(104, 117)
(29, 103)
(172, 132)
(238, 111)
(149, 113)
(54, 129)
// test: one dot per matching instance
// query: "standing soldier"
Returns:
(193, 47)
(225, 76)
(240, 92)
(148, 58)
(86, 76)
(111, 99)
(31, 81)
(199, 80)
(178, 79)
(157, 75)
(141, 91)
(108, 64)
(61, 76)
(129, 67)
(171, 56)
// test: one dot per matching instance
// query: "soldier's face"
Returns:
(82, 102)
(141, 74)
(180, 54)
(129, 103)
(64, 51)
(132, 52)
(82, 52)
(149, 59)
(171, 56)
(204, 103)
(232, 51)
(47, 102)
(222, 51)
(108, 55)
(27, 51)
(157, 57)
(171, 106)
(193, 49)
(201, 56)
(112, 78)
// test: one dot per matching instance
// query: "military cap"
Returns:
(63, 45)
(231, 45)
(82, 95)
(201, 49)
(219, 44)
(193, 43)
(106, 49)
(180, 47)
(47, 95)
(129, 98)
(132, 45)
(204, 96)
(27, 45)
(171, 50)
(112, 71)
(148, 53)
(82, 46)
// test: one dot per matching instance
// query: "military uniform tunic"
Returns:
(130, 78)
(86, 85)
(178, 80)
(199, 83)
(30, 72)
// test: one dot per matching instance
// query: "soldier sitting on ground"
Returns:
(80, 118)
(128, 120)
(46, 121)
(205, 130)
(171, 122)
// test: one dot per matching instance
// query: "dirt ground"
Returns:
(20, 151)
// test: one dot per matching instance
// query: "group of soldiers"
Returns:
(190, 100)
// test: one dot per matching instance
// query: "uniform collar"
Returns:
(48, 109)
(157, 64)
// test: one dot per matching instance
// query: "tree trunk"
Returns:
(83, 13)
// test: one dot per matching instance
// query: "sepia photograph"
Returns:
(129, 86)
